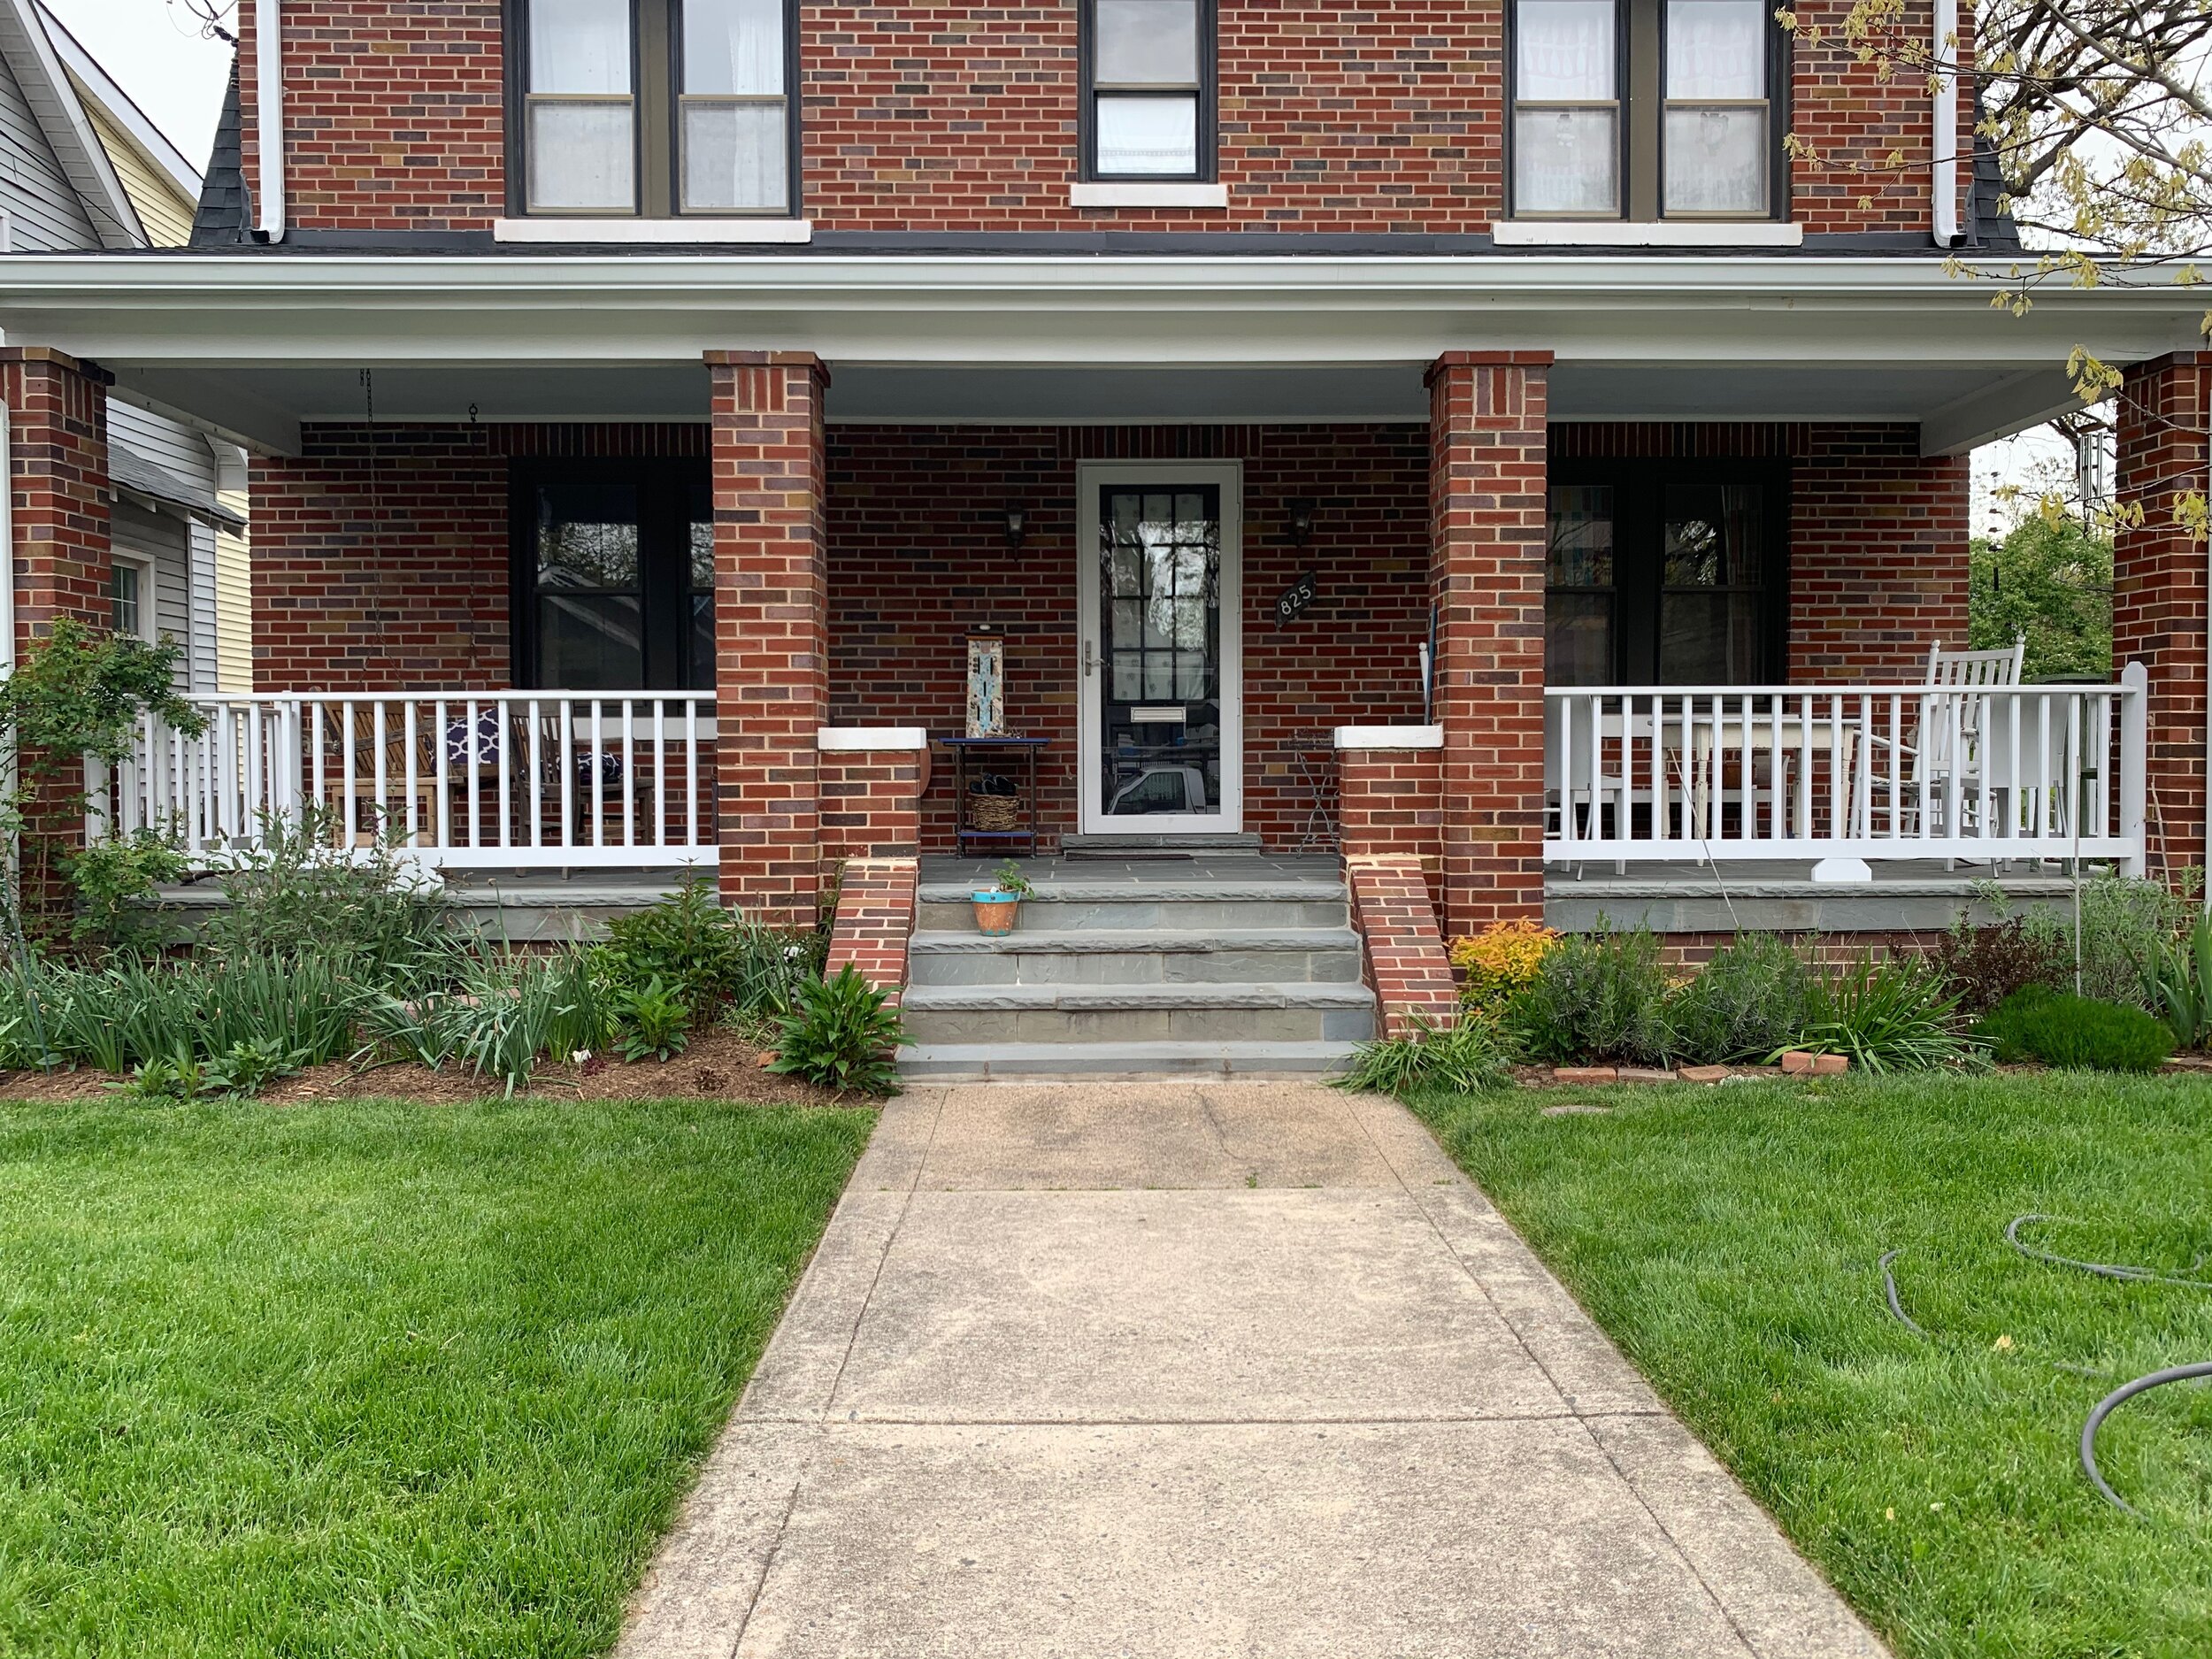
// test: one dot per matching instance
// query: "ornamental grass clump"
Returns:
(1463, 1058)
(1895, 1015)
(1498, 962)
(2077, 1033)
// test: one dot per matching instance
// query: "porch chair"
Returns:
(1938, 750)
(1593, 787)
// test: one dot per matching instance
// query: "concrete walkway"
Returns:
(1158, 1369)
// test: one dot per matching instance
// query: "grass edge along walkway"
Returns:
(376, 1378)
(1727, 1239)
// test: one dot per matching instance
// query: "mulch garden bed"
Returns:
(719, 1064)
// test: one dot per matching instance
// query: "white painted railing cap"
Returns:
(1390, 737)
(846, 737)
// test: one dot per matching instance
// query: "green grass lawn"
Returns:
(1727, 1238)
(367, 1378)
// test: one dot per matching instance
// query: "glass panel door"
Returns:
(1160, 736)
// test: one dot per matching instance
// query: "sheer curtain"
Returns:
(735, 154)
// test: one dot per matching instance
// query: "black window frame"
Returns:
(656, 105)
(1641, 86)
(1209, 90)
(1639, 487)
(667, 487)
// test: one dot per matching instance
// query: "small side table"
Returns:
(994, 758)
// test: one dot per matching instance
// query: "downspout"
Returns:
(268, 77)
(1944, 172)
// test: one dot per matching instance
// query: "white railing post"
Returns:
(2135, 688)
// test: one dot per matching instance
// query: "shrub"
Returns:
(1594, 997)
(1499, 961)
(292, 891)
(1751, 997)
(115, 881)
(2176, 980)
(654, 1021)
(1892, 1016)
(2123, 920)
(1985, 965)
(1464, 1057)
(2062, 1029)
(839, 1034)
(710, 956)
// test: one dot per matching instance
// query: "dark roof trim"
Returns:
(128, 469)
(226, 211)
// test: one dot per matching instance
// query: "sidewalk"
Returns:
(1204, 1368)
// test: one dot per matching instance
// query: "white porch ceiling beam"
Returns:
(2013, 404)
(213, 403)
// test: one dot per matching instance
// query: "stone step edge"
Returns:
(1315, 892)
(1187, 994)
(1131, 941)
(986, 1060)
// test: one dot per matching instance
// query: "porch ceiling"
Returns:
(255, 344)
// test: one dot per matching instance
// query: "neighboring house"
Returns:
(649, 398)
(85, 169)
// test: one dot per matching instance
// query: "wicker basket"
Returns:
(995, 814)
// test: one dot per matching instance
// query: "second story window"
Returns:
(1645, 109)
(654, 107)
(1149, 91)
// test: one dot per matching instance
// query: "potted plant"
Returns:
(994, 907)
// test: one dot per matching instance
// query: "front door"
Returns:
(1159, 633)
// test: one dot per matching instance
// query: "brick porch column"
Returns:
(1488, 501)
(2158, 590)
(770, 620)
(57, 416)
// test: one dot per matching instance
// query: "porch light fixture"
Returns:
(1017, 525)
(1300, 514)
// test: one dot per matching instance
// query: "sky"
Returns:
(155, 51)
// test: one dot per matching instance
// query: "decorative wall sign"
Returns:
(1296, 597)
(986, 685)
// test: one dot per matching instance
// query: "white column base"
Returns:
(1843, 872)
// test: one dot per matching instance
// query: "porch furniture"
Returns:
(1005, 758)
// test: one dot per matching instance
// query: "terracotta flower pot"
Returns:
(994, 913)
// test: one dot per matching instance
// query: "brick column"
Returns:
(1488, 501)
(770, 620)
(57, 441)
(2158, 589)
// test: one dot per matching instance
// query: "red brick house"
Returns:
(1260, 374)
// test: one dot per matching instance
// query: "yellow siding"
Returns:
(234, 602)
(165, 211)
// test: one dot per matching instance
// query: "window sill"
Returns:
(653, 232)
(1148, 194)
(1613, 232)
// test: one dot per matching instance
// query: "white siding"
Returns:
(162, 537)
(168, 444)
(45, 211)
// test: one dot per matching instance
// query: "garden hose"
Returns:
(2119, 1396)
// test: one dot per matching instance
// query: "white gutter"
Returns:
(1944, 173)
(268, 78)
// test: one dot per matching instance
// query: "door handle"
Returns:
(1089, 660)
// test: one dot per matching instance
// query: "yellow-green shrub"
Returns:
(1499, 961)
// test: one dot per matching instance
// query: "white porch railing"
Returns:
(460, 780)
(1833, 773)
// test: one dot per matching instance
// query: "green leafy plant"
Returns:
(1751, 996)
(842, 1035)
(654, 1021)
(251, 1065)
(2060, 1029)
(2177, 983)
(1010, 878)
(116, 880)
(167, 1078)
(710, 956)
(1464, 1057)
(1985, 965)
(1594, 997)
(1895, 1015)
(294, 890)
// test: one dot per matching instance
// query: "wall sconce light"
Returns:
(1017, 525)
(1300, 514)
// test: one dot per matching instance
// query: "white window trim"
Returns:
(148, 624)
(654, 232)
(1621, 233)
(1144, 194)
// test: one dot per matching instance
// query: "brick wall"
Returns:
(918, 558)
(392, 110)
(871, 802)
(1385, 117)
(874, 921)
(1390, 803)
(771, 626)
(381, 555)
(1401, 947)
(2158, 599)
(1487, 500)
(59, 484)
